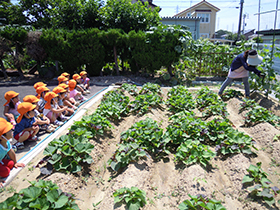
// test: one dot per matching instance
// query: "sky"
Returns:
(228, 16)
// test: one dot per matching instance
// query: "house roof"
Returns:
(269, 32)
(180, 18)
(198, 4)
(249, 30)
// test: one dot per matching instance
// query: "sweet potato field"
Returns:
(159, 148)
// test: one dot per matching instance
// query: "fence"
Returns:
(214, 64)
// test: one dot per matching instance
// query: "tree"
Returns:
(124, 15)
(11, 14)
(221, 32)
(67, 14)
(16, 36)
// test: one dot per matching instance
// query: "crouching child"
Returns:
(6, 165)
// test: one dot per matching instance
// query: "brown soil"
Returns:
(167, 185)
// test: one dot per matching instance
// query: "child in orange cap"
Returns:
(10, 109)
(65, 74)
(67, 101)
(26, 127)
(85, 79)
(6, 165)
(39, 84)
(79, 86)
(52, 110)
(61, 92)
(41, 120)
(41, 91)
(62, 79)
(73, 92)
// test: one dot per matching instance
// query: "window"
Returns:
(189, 15)
(205, 18)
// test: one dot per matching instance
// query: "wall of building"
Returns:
(192, 24)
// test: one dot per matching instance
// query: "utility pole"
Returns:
(244, 24)
(259, 22)
(240, 19)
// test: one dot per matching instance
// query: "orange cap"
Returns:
(76, 76)
(31, 99)
(82, 73)
(58, 90)
(62, 79)
(63, 85)
(40, 90)
(48, 98)
(5, 126)
(9, 95)
(65, 74)
(72, 84)
(39, 84)
(23, 108)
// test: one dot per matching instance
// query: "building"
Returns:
(207, 13)
(193, 24)
(248, 33)
(143, 1)
(267, 36)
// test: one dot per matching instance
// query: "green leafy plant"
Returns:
(201, 202)
(205, 97)
(40, 195)
(247, 105)
(114, 105)
(207, 102)
(144, 103)
(185, 127)
(125, 154)
(231, 93)
(261, 188)
(131, 89)
(150, 88)
(133, 197)
(179, 99)
(146, 133)
(259, 114)
(68, 153)
(192, 151)
(236, 142)
(91, 125)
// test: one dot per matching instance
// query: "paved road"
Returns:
(26, 89)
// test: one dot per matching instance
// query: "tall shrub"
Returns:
(161, 46)
(75, 49)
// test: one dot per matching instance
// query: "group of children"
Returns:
(45, 111)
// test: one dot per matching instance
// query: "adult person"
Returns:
(240, 67)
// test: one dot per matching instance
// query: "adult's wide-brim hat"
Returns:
(5, 126)
(30, 98)
(253, 58)
(9, 95)
(23, 108)
(48, 98)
